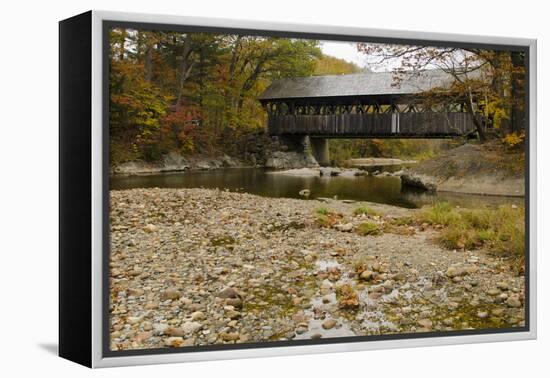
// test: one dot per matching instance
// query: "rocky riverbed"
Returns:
(200, 267)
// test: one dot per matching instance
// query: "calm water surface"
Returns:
(258, 181)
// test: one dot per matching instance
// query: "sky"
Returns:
(348, 51)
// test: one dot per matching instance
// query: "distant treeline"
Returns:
(414, 149)
(196, 93)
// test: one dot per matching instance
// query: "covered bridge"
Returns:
(372, 104)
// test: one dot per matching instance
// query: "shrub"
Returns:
(514, 139)
(368, 228)
(365, 210)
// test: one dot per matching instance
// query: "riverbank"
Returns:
(174, 162)
(200, 267)
(489, 169)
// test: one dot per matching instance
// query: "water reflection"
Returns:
(257, 181)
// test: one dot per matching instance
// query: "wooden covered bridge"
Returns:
(365, 105)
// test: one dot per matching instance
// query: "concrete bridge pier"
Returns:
(319, 150)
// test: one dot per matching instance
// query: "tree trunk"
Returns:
(185, 68)
(501, 86)
(229, 100)
(477, 123)
(122, 45)
(518, 91)
(149, 63)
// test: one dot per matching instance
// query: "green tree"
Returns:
(329, 65)
(193, 92)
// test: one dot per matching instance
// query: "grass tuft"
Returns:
(500, 230)
(322, 211)
(368, 228)
(365, 210)
(326, 217)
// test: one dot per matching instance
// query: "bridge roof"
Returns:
(361, 84)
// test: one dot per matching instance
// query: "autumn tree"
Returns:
(489, 82)
(193, 92)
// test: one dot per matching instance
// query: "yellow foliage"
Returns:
(514, 139)
(329, 65)
(498, 111)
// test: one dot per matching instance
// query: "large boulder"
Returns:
(228, 161)
(174, 162)
(290, 160)
(419, 181)
(330, 172)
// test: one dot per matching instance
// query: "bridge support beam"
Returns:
(319, 150)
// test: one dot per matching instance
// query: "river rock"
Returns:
(367, 275)
(301, 330)
(172, 294)
(136, 292)
(454, 271)
(503, 286)
(347, 227)
(235, 302)
(229, 293)
(304, 192)
(229, 336)
(497, 311)
(176, 341)
(191, 327)
(175, 331)
(198, 315)
(330, 172)
(426, 323)
(329, 323)
(513, 301)
(160, 328)
(142, 336)
(232, 314)
(399, 276)
(150, 228)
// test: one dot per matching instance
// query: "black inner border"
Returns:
(107, 25)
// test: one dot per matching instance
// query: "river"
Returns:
(258, 181)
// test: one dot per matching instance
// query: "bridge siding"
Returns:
(423, 124)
